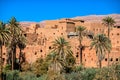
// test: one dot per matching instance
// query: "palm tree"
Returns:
(60, 50)
(109, 22)
(80, 31)
(4, 37)
(15, 31)
(21, 44)
(102, 44)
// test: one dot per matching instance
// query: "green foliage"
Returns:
(12, 75)
(88, 74)
(27, 76)
(73, 76)
(102, 45)
(78, 68)
(43, 77)
(7, 67)
(40, 67)
(25, 66)
(51, 75)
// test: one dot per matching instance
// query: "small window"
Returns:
(77, 53)
(84, 55)
(99, 29)
(116, 59)
(112, 33)
(25, 35)
(118, 34)
(50, 47)
(62, 27)
(117, 41)
(41, 56)
(35, 53)
(92, 59)
(61, 33)
(3, 59)
(111, 59)
(3, 53)
(54, 33)
(85, 59)
(41, 50)
(77, 56)
(105, 59)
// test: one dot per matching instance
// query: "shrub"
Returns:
(27, 76)
(73, 76)
(88, 74)
(11, 75)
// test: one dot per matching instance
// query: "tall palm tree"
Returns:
(102, 44)
(15, 31)
(109, 22)
(60, 50)
(80, 31)
(4, 37)
(21, 44)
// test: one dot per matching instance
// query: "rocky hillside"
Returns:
(90, 18)
(93, 18)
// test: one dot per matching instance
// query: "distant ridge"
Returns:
(90, 18)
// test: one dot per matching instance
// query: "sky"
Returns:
(39, 10)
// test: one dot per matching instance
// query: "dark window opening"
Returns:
(41, 55)
(3, 59)
(3, 53)
(117, 33)
(116, 59)
(105, 59)
(25, 35)
(92, 59)
(111, 59)
(77, 56)
(35, 53)
(62, 27)
(118, 26)
(41, 51)
(85, 59)
(61, 33)
(82, 21)
(54, 33)
(117, 41)
(50, 47)
(84, 55)
(77, 53)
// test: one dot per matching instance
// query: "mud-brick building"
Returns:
(40, 36)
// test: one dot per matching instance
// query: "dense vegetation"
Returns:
(60, 63)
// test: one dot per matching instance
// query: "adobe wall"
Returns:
(39, 40)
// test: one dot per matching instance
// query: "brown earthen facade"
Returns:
(39, 40)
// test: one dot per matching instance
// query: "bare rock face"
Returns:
(98, 18)
(90, 18)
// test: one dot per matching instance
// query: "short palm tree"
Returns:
(4, 37)
(109, 22)
(101, 44)
(60, 50)
(15, 32)
(80, 31)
